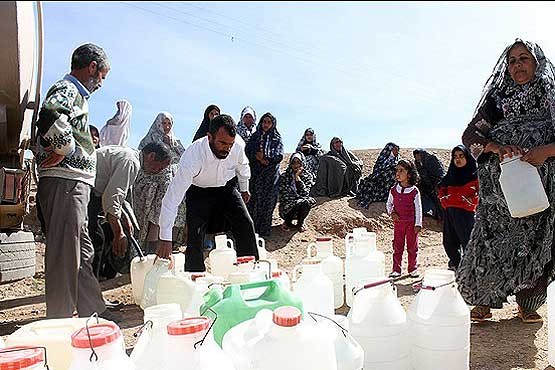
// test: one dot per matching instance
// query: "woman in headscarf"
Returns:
(149, 189)
(431, 171)
(116, 129)
(339, 172)
(375, 187)
(294, 200)
(265, 152)
(246, 126)
(312, 151)
(505, 255)
(210, 112)
(458, 194)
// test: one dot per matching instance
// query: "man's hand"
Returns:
(246, 196)
(52, 160)
(119, 245)
(126, 223)
(394, 216)
(417, 229)
(164, 249)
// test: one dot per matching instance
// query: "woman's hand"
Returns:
(503, 150)
(538, 155)
(394, 216)
(417, 229)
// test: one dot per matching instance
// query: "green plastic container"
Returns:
(232, 308)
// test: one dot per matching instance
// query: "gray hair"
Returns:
(87, 53)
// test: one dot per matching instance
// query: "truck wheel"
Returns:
(17, 256)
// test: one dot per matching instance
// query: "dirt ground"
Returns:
(499, 344)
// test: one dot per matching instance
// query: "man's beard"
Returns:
(218, 154)
(93, 83)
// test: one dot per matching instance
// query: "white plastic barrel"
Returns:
(332, 266)
(362, 261)
(378, 322)
(289, 344)
(439, 324)
(223, 257)
(189, 348)
(53, 334)
(522, 187)
(22, 358)
(100, 347)
(313, 287)
(152, 343)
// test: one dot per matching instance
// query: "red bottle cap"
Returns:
(100, 334)
(189, 325)
(20, 359)
(287, 316)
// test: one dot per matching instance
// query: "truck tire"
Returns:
(17, 256)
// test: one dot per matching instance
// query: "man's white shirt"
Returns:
(200, 167)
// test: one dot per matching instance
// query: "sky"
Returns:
(368, 72)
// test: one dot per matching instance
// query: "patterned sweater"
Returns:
(63, 128)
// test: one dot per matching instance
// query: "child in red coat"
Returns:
(405, 207)
(458, 194)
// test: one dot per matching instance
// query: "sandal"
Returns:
(529, 317)
(480, 313)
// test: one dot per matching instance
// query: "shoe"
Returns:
(414, 274)
(529, 317)
(113, 305)
(394, 274)
(111, 316)
(480, 313)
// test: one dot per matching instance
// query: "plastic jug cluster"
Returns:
(378, 322)
(288, 344)
(223, 257)
(22, 358)
(522, 187)
(314, 288)
(332, 267)
(140, 268)
(362, 261)
(185, 289)
(99, 347)
(439, 324)
(53, 334)
(190, 347)
(232, 308)
(153, 341)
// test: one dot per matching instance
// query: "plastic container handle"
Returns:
(310, 248)
(294, 273)
(229, 241)
(348, 245)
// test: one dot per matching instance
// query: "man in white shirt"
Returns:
(207, 177)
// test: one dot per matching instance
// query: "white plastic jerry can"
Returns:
(313, 287)
(332, 266)
(223, 257)
(439, 324)
(378, 322)
(363, 261)
(522, 187)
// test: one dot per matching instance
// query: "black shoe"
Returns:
(111, 316)
(113, 305)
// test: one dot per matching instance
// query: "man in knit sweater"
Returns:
(67, 168)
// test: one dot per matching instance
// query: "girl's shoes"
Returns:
(394, 274)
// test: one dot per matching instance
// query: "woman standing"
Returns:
(431, 172)
(294, 201)
(265, 152)
(458, 194)
(246, 126)
(375, 187)
(149, 189)
(116, 129)
(209, 113)
(506, 255)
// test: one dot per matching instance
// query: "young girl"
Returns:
(458, 194)
(405, 208)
